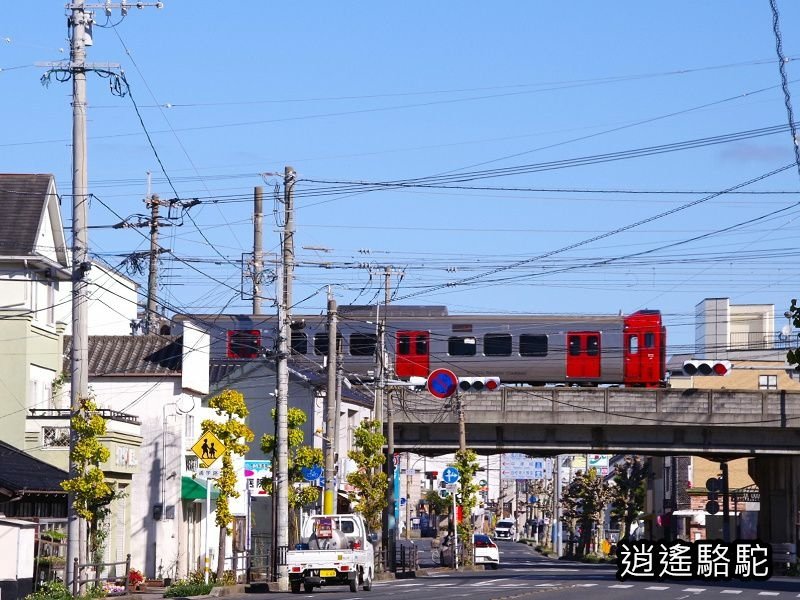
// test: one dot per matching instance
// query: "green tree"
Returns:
(629, 491)
(300, 456)
(466, 461)
(234, 435)
(92, 493)
(369, 480)
(584, 501)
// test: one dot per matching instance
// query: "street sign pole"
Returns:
(455, 532)
(207, 536)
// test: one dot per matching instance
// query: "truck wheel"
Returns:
(308, 588)
(368, 581)
(354, 585)
(295, 585)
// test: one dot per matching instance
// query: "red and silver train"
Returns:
(528, 349)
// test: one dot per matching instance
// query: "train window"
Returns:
(532, 345)
(649, 340)
(363, 344)
(497, 344)
(299, 342)
(404, 345)
(422, 345)
(574, 343)
(633, 344)
(461, 346)
(592, 345)
(321, 343)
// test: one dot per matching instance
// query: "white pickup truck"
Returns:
(334, 550)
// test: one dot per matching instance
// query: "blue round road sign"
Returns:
(311, 473)
(442, 383)
(451, 475)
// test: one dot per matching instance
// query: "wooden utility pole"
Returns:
(329, 440)
(258, 250)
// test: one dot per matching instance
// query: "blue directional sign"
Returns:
(311, 473)
(451, 475)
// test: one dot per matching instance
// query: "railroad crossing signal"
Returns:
(208, 449)
(478, 384)
(707, 367)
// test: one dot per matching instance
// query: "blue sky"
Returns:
(377, 92)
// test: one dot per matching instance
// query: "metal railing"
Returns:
(66, 413)
(78, 569)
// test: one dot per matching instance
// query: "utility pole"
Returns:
(152, 276)
(281, 485)
(329, 501)
(80, 22)
(258, 251)
(289, 178)
(389, 521)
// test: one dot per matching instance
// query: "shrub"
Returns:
(51, 590)
(187, 588)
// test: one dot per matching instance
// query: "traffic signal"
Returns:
(707, 367)
(478, 384)
(243, 343)
(713, 485)
(432, 475)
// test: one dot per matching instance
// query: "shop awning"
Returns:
(195, 489)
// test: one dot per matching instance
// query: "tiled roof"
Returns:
(22, 202)
(131, 354)
(21, 472)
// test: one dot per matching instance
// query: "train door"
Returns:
(583, 355)
(644, 349)
(412, 357)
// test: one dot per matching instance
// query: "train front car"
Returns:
(645, 349)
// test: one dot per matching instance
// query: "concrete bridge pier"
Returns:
(778, 480)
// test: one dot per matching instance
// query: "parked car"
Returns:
(486, 552)
(505, 529)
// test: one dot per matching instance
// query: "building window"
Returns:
(768, 382)
(190, 427)
(532, 345)
(461, 346)
(497, 344)
(55, 437)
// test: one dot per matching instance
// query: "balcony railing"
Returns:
(65, 413)
(763, 341)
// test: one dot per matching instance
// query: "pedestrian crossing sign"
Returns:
(208, 449)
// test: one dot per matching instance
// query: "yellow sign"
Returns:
(208, 449)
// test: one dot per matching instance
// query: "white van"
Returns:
(505, 529)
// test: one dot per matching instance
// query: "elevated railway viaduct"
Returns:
(720, 424)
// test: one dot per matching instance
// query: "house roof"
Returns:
(22, 473)
(117, 355)
(23, 198)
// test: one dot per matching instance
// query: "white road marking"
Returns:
(694, 590)
(658, 588)
(546, 585)
(408, 584)
(768, 593)
(586, 585)
(730, 591)
(621, 586)
(443, 584)
(488, 582)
